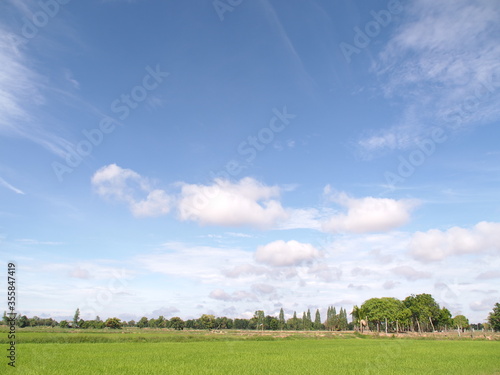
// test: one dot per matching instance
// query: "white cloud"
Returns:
(357, 271)
(240, 295)
(435, 244)
(9, 186)
(245, 270)
(410, 273)
(157, 203)
(495, 274)
(220, 295)
(263, 288)
(443, 60)
(486, 304)
(369, 214)
(358, 287)
(389, 284)
(182, 260)
(302, 218)
(69, 77)
(324, 272)
(247, 202)
(124, 185)
(23, 92)
(291, 253)
(167, 312)
(79, 273)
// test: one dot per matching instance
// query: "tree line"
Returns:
(420, 313)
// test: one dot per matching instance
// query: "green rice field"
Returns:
(198, 353)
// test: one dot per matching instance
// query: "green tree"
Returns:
(303, 321)
(494, 317)
(177, 323)
(76, 318)
(272, 323)
(356, 314)
(23, 321)
(404, 319)
(281, 320)
(240, 324)
(382, 311)
(460, 322)
(259, 317)
(161, 322)
(294, 322)
(63, 324)
(308, 325)
(444, 319)
(143, 322)
(425, 311)
(317, 321)
(207, 321)
(331, 322)
(113, 323)
(153, 323)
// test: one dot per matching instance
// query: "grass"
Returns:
(191, 352)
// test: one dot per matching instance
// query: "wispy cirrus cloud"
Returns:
(10, 187)
(23, 95)
(442, 61)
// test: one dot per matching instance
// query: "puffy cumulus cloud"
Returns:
(240, 295)
(410, 273)
(368, 214)
(247, 202)
(281, 253)
(435, 244)
(125, 185)
(157, 203)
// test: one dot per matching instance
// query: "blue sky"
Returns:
(181, 158)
